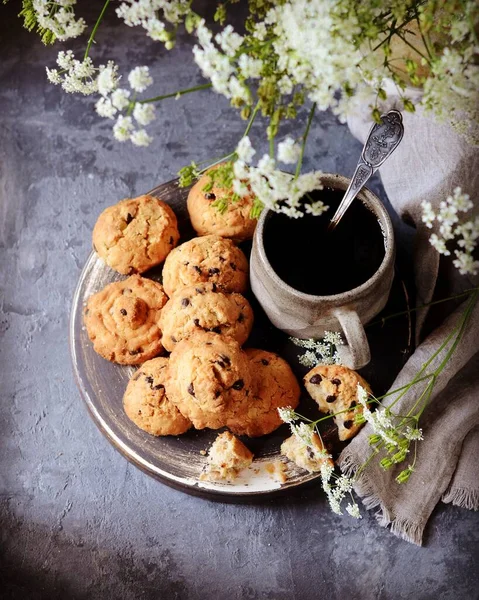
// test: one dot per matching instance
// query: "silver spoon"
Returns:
(383, 139)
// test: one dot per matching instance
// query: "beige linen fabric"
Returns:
(430, 162)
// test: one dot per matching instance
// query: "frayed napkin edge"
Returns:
(402, 528)
(462, 497)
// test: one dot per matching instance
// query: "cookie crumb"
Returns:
(226, 458)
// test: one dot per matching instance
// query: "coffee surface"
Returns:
(312, 260)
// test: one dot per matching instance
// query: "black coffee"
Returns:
(312, 260)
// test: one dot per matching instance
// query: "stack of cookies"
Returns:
(198, 315)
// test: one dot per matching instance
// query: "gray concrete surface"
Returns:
(78, 521)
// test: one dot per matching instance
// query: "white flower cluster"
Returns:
(287, 414)
(379, 420)
(320, 351)
(336, 489)
(59, 18)
(145, 13)
(465, 234)
(219, 65)
(82, 76)
(277, 190)
(451, 91)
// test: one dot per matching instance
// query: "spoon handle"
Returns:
(383, 139)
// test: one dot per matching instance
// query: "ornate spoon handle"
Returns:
(383, 139)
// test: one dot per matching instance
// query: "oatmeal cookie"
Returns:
(210, 259)
(209, 380)
(226, 458)
(201, 307)
(334, 388)
(146, 404)
(310, 458)
(275, 387)
(135, 234)
(122, 320)
(235, 222)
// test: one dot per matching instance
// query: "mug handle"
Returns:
(357, 353)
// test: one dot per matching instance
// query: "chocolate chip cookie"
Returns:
(275, 387)
(210, 259)
(209, 380)
(310, 458)
(235, 222)
(334, 388)
(201, 307)
(146, 404)
(122, 320)
(226, 458)
(135, 234)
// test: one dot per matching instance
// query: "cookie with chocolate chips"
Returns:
(135, 234)
(275, 387)
(203, 307)
(211, 259)
(122, 320)
(146, 404)
(235, 222)
(209, 380)
(334, 388)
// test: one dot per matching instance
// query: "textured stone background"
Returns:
(78, 521)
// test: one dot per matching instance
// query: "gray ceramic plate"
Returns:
(177, 461)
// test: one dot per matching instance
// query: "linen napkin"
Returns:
(429, 163)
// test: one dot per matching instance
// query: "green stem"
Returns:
(97, 24)
(251, 120)
(305, 137)
(410, 310)
(204, 86)
(403, 37)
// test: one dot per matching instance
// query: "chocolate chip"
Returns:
(171, 241)
(210, 196)
(185, 302)
(336, 381)
(208, 344)
(149, 380)
(225, 358)
(191, 390)
(199, 290)
(127, 291)
(311, 454)
(265, 362)
(330, 399)
(241, 318)
(197, 269)
(348, 424)
(316, 379)
(173, 339)
(222, 258)
(129, 219)
(196, 322)
(213, 271)
(233, 266)
(217, 393)
(186, 263)
(214, 287)
(221, 364)
(160, 386)
(123, 312)
(133, 352)
(216, 329)
(353, 404)
(238, 385)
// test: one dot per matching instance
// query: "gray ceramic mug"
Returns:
(307, 316)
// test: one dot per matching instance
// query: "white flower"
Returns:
(465, 263)
(105, 108)
(308, 359)
(304, 433)
(250, 67)
(144, 113)
(59, 18)
(287, 414)
(240, 188)
(288, 151)
(120, 98)
(123, 128)
(53, 76)
(245, 150)
(140, 78)
(229, 41)
(413, 433)
(141, 138)
(461, 201)
(333, 337)
(439, 244)
(428, 214)
(107, 79)
(353, 510)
